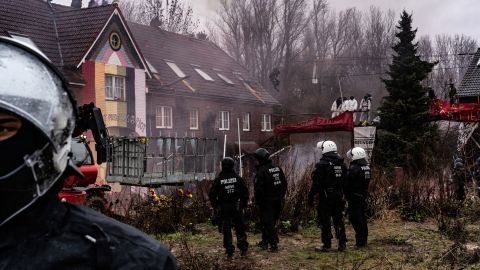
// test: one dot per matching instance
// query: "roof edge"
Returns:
(117, 12)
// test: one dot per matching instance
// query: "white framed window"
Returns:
(164, 117)
(175, 69)
(224, 120)
(266, 122)
(246, 121)
(194, 119)
(114, 87)
(204, 75)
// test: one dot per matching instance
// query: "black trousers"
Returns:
(329, 210)
(269, 215)
(230, 217)
(356, 215)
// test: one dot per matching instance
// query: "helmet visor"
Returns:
(35, 92)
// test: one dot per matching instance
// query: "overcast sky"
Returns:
(429, 16)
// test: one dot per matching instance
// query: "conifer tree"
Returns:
(408, 137)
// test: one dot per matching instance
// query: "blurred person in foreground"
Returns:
(38, 231)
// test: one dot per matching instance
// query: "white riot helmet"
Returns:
(357, 153)
(33, 90)
(327, 146)
(319, 146)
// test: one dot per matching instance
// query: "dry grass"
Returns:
(393, 244)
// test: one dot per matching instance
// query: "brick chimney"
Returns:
(76, 4)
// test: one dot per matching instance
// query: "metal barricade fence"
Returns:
(150, 161)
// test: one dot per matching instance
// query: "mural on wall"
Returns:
(120, 89)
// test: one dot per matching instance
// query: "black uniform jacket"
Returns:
(228, 187)
(270, 183)
(358, 178)
(56, 235)
(328, 178)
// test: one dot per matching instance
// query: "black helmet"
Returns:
(227, 163)
(458, 165)
(262, 154)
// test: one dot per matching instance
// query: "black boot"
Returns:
(263, 245)
(243, 253)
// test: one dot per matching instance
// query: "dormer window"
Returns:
(203, 74)
(223, 77)
(175, 69)
(239, 76)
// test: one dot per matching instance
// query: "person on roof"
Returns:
(38, 231)
(352, 106)
(270, 189)
(365, 106)
(229, 194)
(336, 107)
(356, 193)
(327, 182)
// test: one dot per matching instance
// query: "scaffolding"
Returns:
(156, 161)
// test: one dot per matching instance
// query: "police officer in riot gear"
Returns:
(459, 178)
(229, 195)
(37, 118)
(270, 189)
(356, 192)
(328, 179)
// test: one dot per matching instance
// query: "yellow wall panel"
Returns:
(111, 69)
(121, 71)
(116, 113)
(100, 86)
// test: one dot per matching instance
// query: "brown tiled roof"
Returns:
(76, 29)
(470, 85)
(32, 18)
(158, 45)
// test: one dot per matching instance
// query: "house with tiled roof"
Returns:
(94, 49)
(148, 82)
(197, 90)
(469, 90)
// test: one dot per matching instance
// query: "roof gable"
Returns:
(189, 54)
(470, 85)
(78, 30)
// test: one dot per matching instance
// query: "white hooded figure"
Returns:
(352, 106)
(336, 107)
(345, 105)
(365, 106)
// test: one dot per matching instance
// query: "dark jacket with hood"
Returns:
(56, 235)
(270, 182)
(328, 178)
(358, 178)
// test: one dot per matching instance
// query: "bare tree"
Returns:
(318, 50)
(170, 15)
